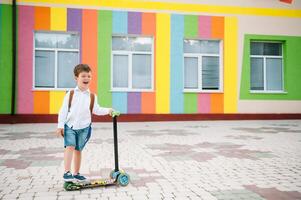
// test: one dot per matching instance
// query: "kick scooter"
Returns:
(117, 177)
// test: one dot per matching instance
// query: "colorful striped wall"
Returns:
(96, 28)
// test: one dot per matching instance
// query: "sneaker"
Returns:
(68, 177)
(80, 178)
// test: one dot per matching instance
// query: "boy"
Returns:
(74, 121)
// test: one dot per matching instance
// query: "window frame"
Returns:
(199, 56)
(130, 64)
(264, 57)
(55, 50)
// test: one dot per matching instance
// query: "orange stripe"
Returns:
(217, 27)
(148, 23)
(148, 99)
(41, 102)
(42, 18)
(89, 44)
(217, 103)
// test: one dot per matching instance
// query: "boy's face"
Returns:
(83, 80)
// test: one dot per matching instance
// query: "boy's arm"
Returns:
(97, 110)
(63, 112)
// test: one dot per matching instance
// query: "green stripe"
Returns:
(5, 58)
(190, 31)
(292, 69)
(104, 58)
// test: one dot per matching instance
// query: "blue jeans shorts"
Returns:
(76, 138)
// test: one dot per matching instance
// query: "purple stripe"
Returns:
(74, 23)
(134, 102)
(25, 59)
(134, 22)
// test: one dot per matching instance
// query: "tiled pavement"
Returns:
(211, 160)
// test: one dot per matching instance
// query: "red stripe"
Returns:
(286, 1)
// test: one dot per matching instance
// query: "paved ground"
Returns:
(167, 160)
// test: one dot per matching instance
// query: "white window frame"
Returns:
(55, 50)
(264, 57)
(130, 65)
(200, 67)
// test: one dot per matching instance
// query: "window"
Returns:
(202, 65)
(55, 55)
(132, 63)
(266, 66)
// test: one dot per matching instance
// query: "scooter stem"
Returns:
(115, 143)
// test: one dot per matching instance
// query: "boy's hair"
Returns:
(81, 68)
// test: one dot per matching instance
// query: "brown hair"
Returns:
(81, 68)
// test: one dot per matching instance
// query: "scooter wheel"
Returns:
(113, 174)
(69, 186)
(123, 179)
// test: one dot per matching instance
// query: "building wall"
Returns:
(5, 58)
(168, 28)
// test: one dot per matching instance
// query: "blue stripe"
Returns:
(176, 64)
(120, 101)
(120, 22)
(120, 26)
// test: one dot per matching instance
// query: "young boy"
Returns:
(74, 121)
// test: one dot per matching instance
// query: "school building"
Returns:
(153, 58)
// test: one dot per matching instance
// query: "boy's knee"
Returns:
(71, 148)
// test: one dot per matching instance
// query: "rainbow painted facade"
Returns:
(168, 23)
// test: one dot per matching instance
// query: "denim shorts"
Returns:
(76, 138)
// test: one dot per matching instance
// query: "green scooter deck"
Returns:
(89, 184)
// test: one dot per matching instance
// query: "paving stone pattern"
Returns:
(209, 160)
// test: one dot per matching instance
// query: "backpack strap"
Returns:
(70, 99)
(92, 98)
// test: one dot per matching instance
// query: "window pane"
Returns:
(192, 46)
(274, 73)
(273, 49)
(210, 73)
(142, 44)
(45, 40)
(201, 46)
(121, 43)
(256, 48)
(142, 66)
(208, 46)
(120, 71)
(44, 68)
(266, 48)
(257, 74)
(67, 41)
(66, 63)
(190, 73)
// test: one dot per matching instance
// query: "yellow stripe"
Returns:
(56, 100)
(162, 63)
(230, 65)
(168, 6)
(58, 21)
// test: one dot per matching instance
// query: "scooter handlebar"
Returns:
(115, 113)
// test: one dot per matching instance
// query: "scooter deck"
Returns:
(89, 184)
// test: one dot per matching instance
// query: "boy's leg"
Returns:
(77, 161)
(68, 154)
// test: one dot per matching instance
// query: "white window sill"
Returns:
(127, 90)
(203, 91)
(267, 92)
(51, 89)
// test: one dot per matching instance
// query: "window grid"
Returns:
(130, 67)
(200, 67)
(265, 57)
(56, 51)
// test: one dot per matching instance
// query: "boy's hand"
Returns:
(111, 111)
(60, 132)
